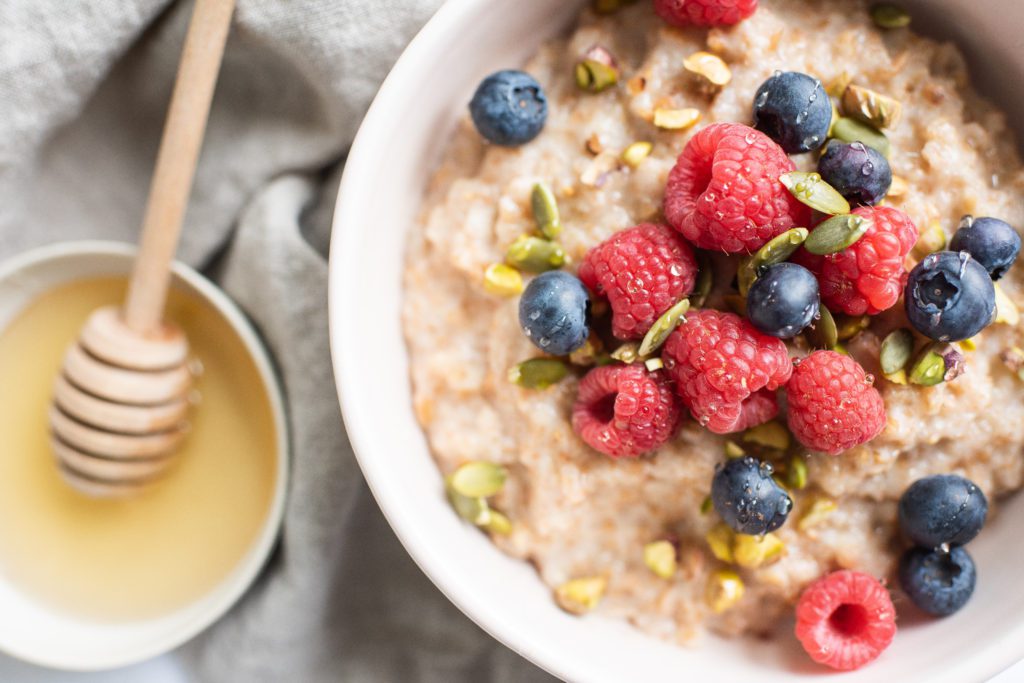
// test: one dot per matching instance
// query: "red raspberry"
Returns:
(624, 410)
(832, 403)
(643, 271)
(724, 192)
(867, 277)
(704, 12)
(845, 620)
(726, 371)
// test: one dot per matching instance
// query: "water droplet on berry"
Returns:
(762, 99)
(750, 137)
(869, 379)
(858, 146)
(704, 420)
(867, 169)
(675, 270)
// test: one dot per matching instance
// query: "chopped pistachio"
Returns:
(706, 505)
(849, 326)
(498, 524)
(663, 327)
(627, 353)
(720, 539)
(1006, 310)
(708, 66)
(819, 509)
(588, 353)
(538, 373)
(579, 596)
(653, 364)
(796, 473)
(545, 210)
(898, 188)
(888, 15)
(502, 280)
(752, 552)
(660, 558)
(705, 280)
(811, 190)
(594, 144)
(724, 589)
(478, 479)
(676, 119)
(599, 168)
(846, 129)
(870, 107)
(734, 450)
(822, 332)
(836, 233)
(929, 369)
(1013, 358)
(837, 86)
(769, 435)
(970, 344)
(535, 255)
(932, 238)
(896, 350)
(634, 155)
(473, 510)
(597, 70)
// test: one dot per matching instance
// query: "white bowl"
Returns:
(396, 150)
(35, 632)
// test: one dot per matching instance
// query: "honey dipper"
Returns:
(122, 399)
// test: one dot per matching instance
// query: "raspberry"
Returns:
(867, 277)
(643, 271)
(724, 192)
(832, 404)
(726, 371)
(624, 410)
(845, 620)
(704, 12)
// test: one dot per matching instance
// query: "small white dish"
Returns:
(395, 153)
(37, 633)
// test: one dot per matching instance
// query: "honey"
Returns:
(116, 560)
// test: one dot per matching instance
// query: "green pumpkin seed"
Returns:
(929, 369)
(545, 210)
(769, 435)
(627, 353)
(535, 255)
(502, 280)
(849, 326)
(473, 510)
(663, 327)
(897, 348)
(498, 524)
(705, 279)
(888, 15)
(836, 233)
(870, 107)
(779, 248)
(636, 153)
(734, 450)
(660, 558)
(811, 190)
(745, 274)
(796, 473)
(478, 479)
(538, 373)
(847, 129)
(823, 333)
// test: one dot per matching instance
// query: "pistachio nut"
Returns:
(890, 16)
(535, 255)
(811, 190)
(847, 129)
(751, 552)
(597, 70)
(660, 558)
(849, 326)
(734, 450)
(719, 540)
(1006, 310)
(769, 435)
(676, 119)
(579, 596)
(837, 86)
(634, 155)
(627, 353)
(663, 327)
(818, 510)
(898, 187)
(706, 505)
(1013, 358)
(932, 238)
(709, 67)
(930, 367)
(498, 524)
(969, 344)
(538, 373)
(796, 473)
(502, 280)
(653, 364)
(588, 353)
(545, 210)
(478, 479)
(836, 233)
(871, 107)
(823, 332)
(724, 589)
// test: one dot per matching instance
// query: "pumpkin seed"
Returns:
(676, 119)
(811, 190)
(836, 233)
(870, 107)
(847, 129)
(705, 279)
(823, 333)
(663, 327)
(660, 558)
(897, 348)
(627, 353)
(719, 539)
(535, 255)
(745, 274)
(579, 596)
(653, 364)
(820, 508)
(888, 15)
(796, 473)
(898, 377)
(929, 369)
(502, 280)
(849, 326)
(751, 552)
(538, 373)
(1006, 310)
(634, 155)
(724, 589)
(473, 510)
(708, 66)
(498, 524)
(769, 435)
(545, 210)
(734, 450)
(779, 248)
(478, 479)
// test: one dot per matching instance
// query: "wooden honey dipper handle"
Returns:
(176, 163)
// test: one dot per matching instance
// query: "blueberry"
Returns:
(783, 300)
(942, 509)
(554, 312)
(509, 108)
(793, 109)
(937, 582)
(747, 497)
(949, 296)
(991, 242)
(858, 172)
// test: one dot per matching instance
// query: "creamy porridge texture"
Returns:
(577, 513)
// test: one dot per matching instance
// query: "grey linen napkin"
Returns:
(83, 89)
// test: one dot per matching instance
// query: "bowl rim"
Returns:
(219, 599)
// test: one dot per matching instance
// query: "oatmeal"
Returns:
(576, 513)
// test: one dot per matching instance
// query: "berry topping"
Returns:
(938, 582)
(991, 242)
(726, 371)
(554, 312)
(942, 509)
(642, 271)
(704, 12)
(794, 110)
(867, 277)
(724, 192)
(832, 403)
(747, 497)
(845, 620)
(509, 108)
(624, 410)
(949, 296)
(857, 171)
(783, 300)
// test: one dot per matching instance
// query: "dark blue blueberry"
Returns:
(858, 172)
(783, 300)
(991, 242)
(794, 110)
(942, 509)
(949, 296)
(509, 108)
(554, 312)
(747, 498)
(937, 582)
